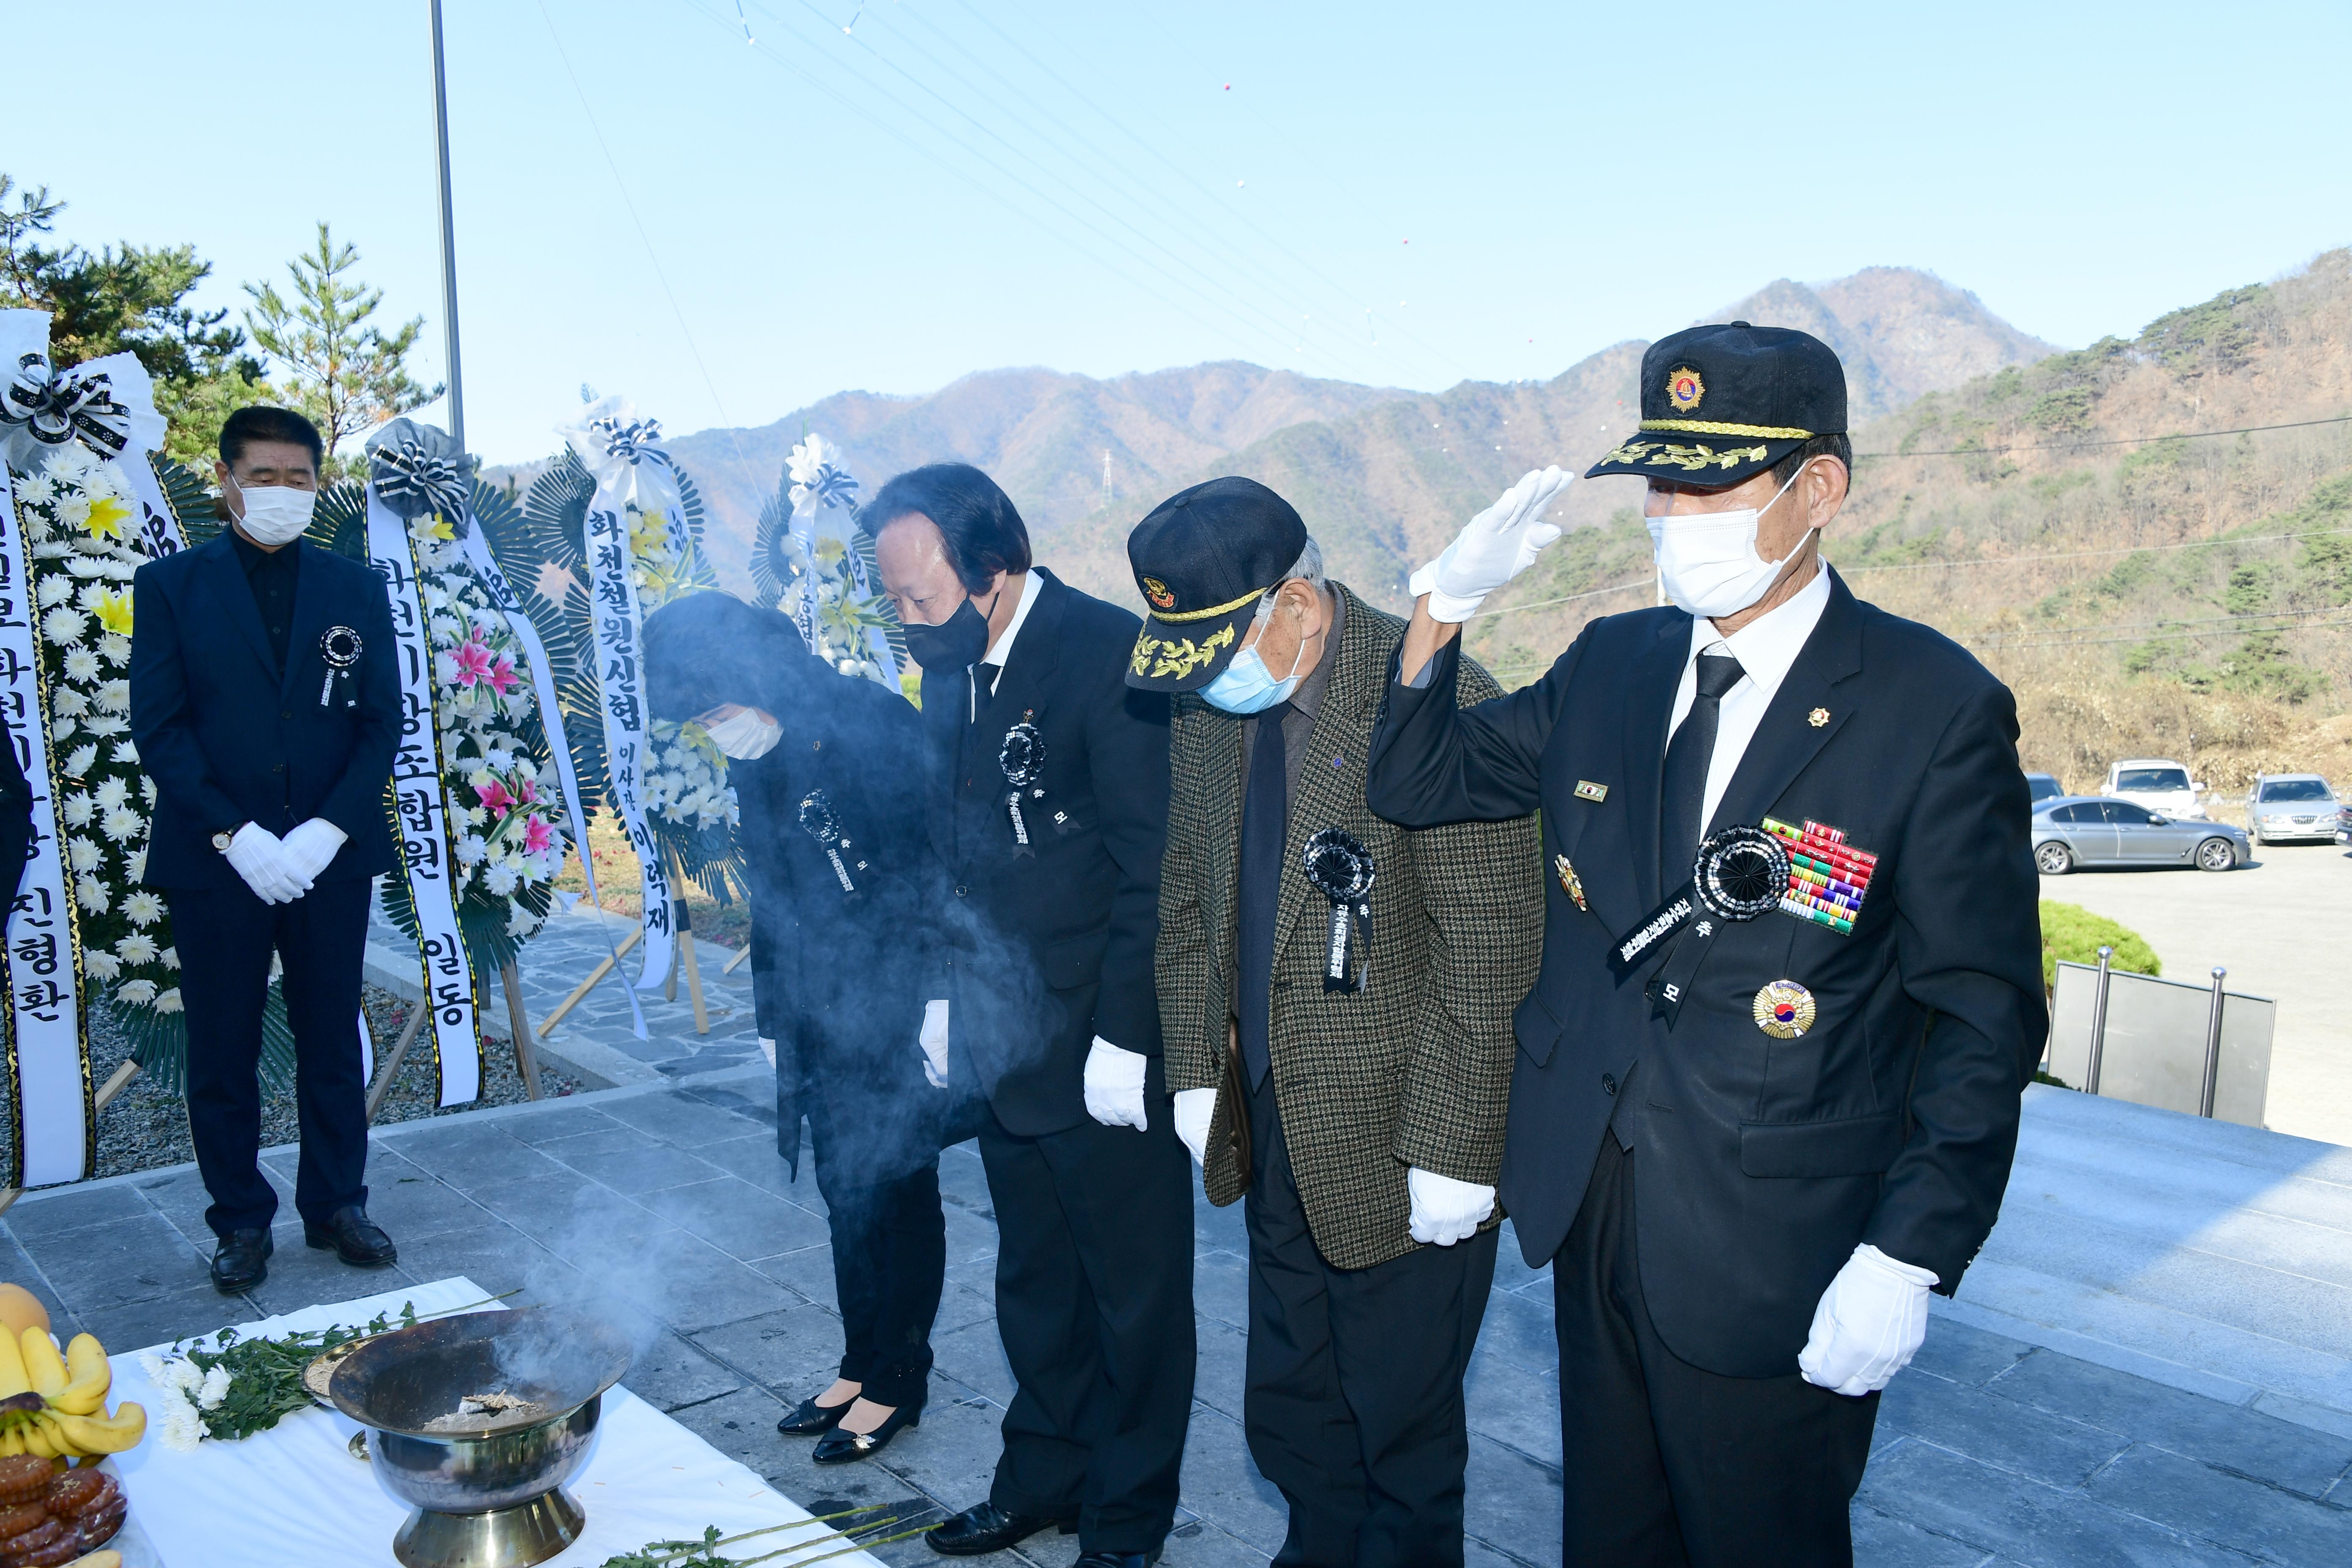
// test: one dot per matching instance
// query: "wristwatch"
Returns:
(221, 841)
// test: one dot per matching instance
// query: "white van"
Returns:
(2159, 783)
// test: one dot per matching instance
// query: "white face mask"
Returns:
(1707, 562)
(275, 514)
(745, 735)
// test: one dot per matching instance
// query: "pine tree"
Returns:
(348, 376)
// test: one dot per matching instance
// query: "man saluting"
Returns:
(1768, 1077)
(264, 707)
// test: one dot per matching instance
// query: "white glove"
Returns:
(1494, 547)
(768, 1049)
(262, 861)
(934, 1041)
(1443, 1210)
(1194, 1110)
(310, 845)
(1114, 1084)
(1869, 1324)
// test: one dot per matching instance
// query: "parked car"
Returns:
(2158, 784)
(2282, 806)
(2344, 825)
(2075, 831)
(2043, 787)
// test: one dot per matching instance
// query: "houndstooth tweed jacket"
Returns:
(1415, 1069)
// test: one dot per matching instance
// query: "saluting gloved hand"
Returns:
(310, 845)
(1868, 1325)
(934, 1041)
(1195, 1108)
(1114, 1084)
(261, 859)
(1494, 547)
(1443, 1210)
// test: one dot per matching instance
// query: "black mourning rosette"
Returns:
(1023, 758)
(818, 821)
(1339, 867)
(340, 649)
(1741, 873)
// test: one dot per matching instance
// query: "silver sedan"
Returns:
(2075, 831)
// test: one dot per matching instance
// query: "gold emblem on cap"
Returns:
(1818, 716)
(1684, 388)
(1587, 790)
(1568, 881)
(1784, 1009)
(1157, 592)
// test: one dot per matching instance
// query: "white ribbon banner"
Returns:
(620, 680)
(56, 1121)
(421, 813)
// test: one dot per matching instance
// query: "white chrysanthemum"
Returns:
(113, 792)
(168, 1000)
(136, 992)
(471, 849)
(126, 753)
(81, 665)
(63, 625)
(143, 907)
(114, 648)
(134, 864)
(115, 695)
(500, 758)
(68, 702)
(179, 1427)
(215, 1390)
(38, 491)
(500, 880)
(62, 728)
(101, 965)
(81, 760)
(123, 824)
(106, 724)
(170, 957)
(136, 948)
(91, 895)
(78, 809)
(54, 591)
(71, 511)
(82, 855)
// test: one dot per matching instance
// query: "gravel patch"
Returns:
(144, 1127)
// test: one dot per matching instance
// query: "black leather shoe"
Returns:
(810, 1419)
(1117, 1559)
(357, 1239)
(840, 1448)
(241, 1261)
(984, 1526)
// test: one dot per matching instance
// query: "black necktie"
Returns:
(1687, 757)
(1265, 823)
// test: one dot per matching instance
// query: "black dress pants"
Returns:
(1094, 1300)
(1352, 1400)
(889, 1250)
(224, 937)
(1665, 1464)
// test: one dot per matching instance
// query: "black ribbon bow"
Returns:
(832, 487)
(818, 819)
(1339, 867)
(632, 441)
(1023, 758)
(415, 473)
(41, 405)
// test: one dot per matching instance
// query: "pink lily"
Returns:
(501, 676)
(495, 798)
(473, 661)
(537, 835)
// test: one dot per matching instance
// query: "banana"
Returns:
(96, 1434)
(92, 1376)
(86, 1359)
(65, 1446)
(39, 1440)
(12, 1443)
(44, 1368)
(13, 1379)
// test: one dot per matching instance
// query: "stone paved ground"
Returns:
(668, 1196)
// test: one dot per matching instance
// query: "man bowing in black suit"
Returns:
(1768, 1079)
(270, 774)
(1049, 806)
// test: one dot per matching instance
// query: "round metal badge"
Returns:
(1784, 1009)
(1741, 873)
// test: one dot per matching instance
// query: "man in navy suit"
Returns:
(266, 707)
(1768, 1077)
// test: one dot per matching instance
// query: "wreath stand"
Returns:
(682, 922)
(518, 1026)
(115, 1084)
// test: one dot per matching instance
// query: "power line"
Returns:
(2077, 554)
(2117, 441)
(2156, 637)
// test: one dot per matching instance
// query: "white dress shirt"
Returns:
(1002, 648)
(1765, 648)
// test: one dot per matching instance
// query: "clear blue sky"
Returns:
(957, 185)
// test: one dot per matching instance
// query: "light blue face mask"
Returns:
(1248, 687)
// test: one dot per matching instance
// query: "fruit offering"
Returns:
(53, 1517)
(21, 1309)
(53, 1407)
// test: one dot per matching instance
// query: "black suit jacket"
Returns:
(1760, 1163)
(1046, 951)
(230, 738)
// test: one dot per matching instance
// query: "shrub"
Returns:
(2074, 933)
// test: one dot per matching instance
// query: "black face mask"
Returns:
(954, 643)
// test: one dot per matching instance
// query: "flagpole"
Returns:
(449, 237)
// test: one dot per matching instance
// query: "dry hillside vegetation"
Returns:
(2145, 590)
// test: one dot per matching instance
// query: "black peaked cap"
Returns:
(1723, 403)
(1201, 559)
